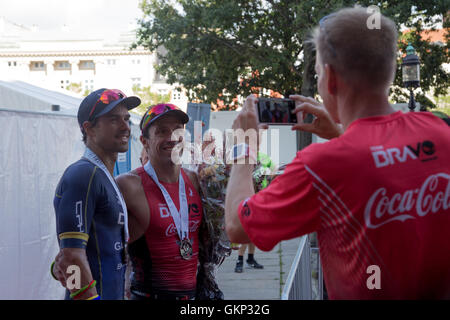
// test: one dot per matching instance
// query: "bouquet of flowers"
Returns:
(214, 244)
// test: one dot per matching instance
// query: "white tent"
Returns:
(35, 149)
(20, 95)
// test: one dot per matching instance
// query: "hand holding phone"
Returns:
(322, 124)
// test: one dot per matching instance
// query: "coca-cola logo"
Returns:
(431, 197)
(172, 230)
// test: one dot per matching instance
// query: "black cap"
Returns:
(93, 99)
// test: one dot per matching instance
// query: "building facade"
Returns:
(64, 59)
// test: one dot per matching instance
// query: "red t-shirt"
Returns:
(170, 272)
(377, 195)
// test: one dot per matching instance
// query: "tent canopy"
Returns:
(18, 95)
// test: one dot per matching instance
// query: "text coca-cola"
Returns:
(431, 197)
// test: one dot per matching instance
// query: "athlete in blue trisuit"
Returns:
(91, 216)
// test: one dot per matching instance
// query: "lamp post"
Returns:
(411, 74)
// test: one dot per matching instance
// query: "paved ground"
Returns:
(252, 284)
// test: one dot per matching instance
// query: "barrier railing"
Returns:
(305, 280)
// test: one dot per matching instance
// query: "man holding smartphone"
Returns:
(377, 193)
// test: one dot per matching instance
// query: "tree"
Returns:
(148, 98)
(219, 50)
(434, 78)
(75, 87)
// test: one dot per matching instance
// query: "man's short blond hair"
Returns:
(362, 56)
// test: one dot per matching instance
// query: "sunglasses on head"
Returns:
(156, 111)
(107, 97)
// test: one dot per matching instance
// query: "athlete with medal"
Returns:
(165, 212)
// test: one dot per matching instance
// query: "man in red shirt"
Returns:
(165, 212)
(377, 193)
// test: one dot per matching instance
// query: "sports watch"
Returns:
(241, 151)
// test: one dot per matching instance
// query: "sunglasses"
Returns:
(107, 97)
(322, 28)
(155, 111)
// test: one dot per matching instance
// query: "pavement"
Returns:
(258, 284)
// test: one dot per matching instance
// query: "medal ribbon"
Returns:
(181, 218)
(92, 157)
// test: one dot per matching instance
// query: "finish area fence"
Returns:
(305, 279)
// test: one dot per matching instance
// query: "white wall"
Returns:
(281, 140)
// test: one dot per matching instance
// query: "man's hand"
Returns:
(322, 125)
(247, 118)
(58, 271)
(74, 256)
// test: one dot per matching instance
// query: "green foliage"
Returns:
(77, 87)
(74, 87)
(148, 98)
(434, 79)
(224, 49)
(443, 104)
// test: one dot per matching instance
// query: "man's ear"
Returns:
(88, 128)
(143, 141)
(331, 79)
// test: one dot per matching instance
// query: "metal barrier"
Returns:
(305, 280)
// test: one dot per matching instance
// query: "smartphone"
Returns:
(276, 111)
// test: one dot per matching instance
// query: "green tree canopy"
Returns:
(148, 98)
(224, 49)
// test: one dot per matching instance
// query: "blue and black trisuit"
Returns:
(89, 216)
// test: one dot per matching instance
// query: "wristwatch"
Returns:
(241, 151)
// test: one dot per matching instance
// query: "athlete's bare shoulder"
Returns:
(193, 177)
(129, 180)
(130, 185)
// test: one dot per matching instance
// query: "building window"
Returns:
(87, 65)
(111, 62)
(62, 65)
(64, 84)
(176, 95)
(12, 63)
(89, 85)
(136, 82)
(37, 66)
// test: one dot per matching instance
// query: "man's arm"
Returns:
(74, 207)
(240, 185)
(138, 211)
(239, 188)
(194, 179)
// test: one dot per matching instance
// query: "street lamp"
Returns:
(411, 74)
